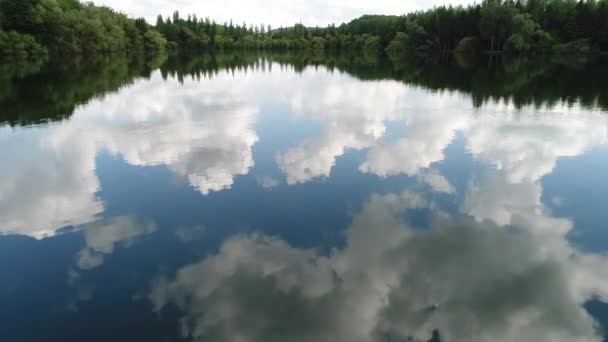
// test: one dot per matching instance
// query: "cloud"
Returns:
(44, 187)
(354, 116)
(527, 145)
(390, 281)
(520, 150)
(203, 131)
(429, 133)
(274, 12)
(494, 198)
(102, 237)
(268, 182)
(436, 181)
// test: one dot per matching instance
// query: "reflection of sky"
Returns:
(296, 156)
(206, 132)
(391, 282)
(203, 134)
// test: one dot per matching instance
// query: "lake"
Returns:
(303, 197)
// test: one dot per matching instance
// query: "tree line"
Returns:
(510, 26)
(34, 27)
(515, 27)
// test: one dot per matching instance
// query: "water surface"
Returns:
(247, 197)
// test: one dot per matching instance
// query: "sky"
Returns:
(273, 12)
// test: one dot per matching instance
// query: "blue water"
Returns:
(277, 205)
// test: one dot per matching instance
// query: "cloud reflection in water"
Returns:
(471, 282)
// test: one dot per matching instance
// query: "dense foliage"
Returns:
(531, 27)
(511, 26)
(30, 27)
(368, 33)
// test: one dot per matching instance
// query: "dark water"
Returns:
(243, 197)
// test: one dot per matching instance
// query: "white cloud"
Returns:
(489, 284)
(268, 182)
(355, 114)
(274, 12)
(352, 114)
(430, 130)
(436, 181)
(527, 145)
(203, 131)
(43, 186)
(102, 237)
(520, 150)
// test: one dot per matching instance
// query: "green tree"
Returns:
(318, 43)
(527, 36)
(20, 15)
(372, 43)
(154, 41)
(496, 21)
(13, 43)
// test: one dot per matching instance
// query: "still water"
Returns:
(303, 198)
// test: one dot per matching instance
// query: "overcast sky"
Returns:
(274, 12)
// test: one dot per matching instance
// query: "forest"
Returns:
(516, 27)
(36, 27)
(530, 27)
